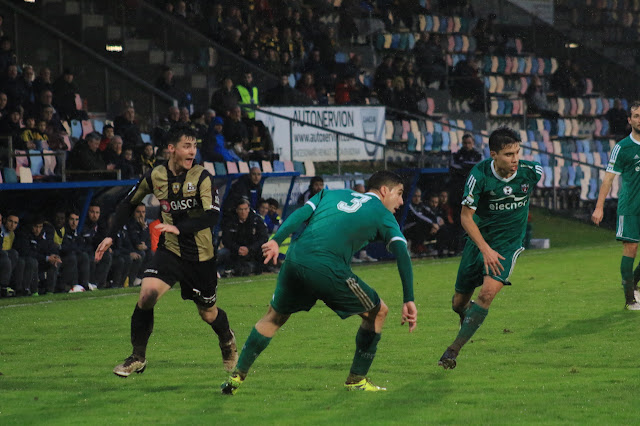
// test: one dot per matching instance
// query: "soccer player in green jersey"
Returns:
(494, 213)
(625, 162)
(339, 224)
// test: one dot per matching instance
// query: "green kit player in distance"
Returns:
(339, 224)
(495, 209)
(625, 162)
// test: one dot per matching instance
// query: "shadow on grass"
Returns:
(585, 326)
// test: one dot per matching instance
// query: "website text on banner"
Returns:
(310, 143)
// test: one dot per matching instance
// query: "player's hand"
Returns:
(165, 227)
(270, 251)
(492, 260)
(410, 315)
(596, 216)
(102, 248)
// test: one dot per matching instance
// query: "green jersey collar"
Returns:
(633, 140)
(509, 179)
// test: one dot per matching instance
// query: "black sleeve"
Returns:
(127, 206)
(194, 224)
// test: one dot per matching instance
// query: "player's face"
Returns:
(12, 223)
(634, 120)
(73, 221)
(392, 197)
(506, 160)
(94, 213)
(183, 153)
(243, 212)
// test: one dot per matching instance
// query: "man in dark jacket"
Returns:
(32, 243)
(138, 230)
(86, 156)
(247, 187)
(75, 260)
(242, 236)
(92, 234)
(125, 125)
(64, 95)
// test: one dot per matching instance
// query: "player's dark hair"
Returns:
(243, 200)
(273, 202)
(502, 137)
(634, 105)
(384, 178)
(315, 179)
(177, 132)
(95, 204)
(467, 135)
(76, 212)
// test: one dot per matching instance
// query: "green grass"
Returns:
(555, 348)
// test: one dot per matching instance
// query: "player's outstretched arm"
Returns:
(491, 257)
(102, 248)
(270, 251)
(410, 315)
(598, 212)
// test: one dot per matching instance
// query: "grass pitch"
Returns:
(557, 347)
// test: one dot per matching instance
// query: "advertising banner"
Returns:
(311, 143)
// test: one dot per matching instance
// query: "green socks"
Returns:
(626, 270)
(366, 346)
(474, 316)
(252, 348)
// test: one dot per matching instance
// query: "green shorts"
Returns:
(471, 270)
(299, 287)
(628, 228)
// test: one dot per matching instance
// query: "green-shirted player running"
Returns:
(495, 209)
(625, 162)
(339, 224)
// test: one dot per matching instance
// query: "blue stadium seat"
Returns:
(278, 166)
(548, 176)
(76, 129)
(36, 162)
(220, 168)
(9, 175)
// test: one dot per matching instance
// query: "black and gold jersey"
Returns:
(185, 200)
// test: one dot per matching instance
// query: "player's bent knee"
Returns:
(382, 312)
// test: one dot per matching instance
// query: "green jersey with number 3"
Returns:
(625, 161)
(342, 223)
(501, 204)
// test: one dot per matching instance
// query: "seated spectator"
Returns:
(484, 36)
(214, 146)
(75, 269)
(247, 187)
(384, 72)
(93, 232)
(107, 135)
(114, 157)
(127, 260)
(147, 159)
(618, 119)
(225, 98)
(386, 94)
(316, 68)
(537, 100)
(54, 130)
(160, 132)
(85, 156)
(185, 118)
(43, 82)
(420, 226)
(349, 92)
(64, 96)
(315, 185)
(200, 126)
(282, 94)
(442, 235)
(430, 59)
(24, 270)
(138, 230)
(235, 132)
(414, 96)
(14, 87)
(273, 220)
(28, 76)
(243, 234)
(28, 135)
(125, 125)
(307, 87)
(32, 243)
(10, 124)
(3, 104)
(260, 143)
(467, 85)
(7, 55)
(44, 100)
(167, 83)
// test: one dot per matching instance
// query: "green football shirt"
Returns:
(342, 223)
(625, 161)
(501, 205)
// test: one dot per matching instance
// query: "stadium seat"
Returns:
(76, 129)
(288, 166)
(25, 175)
(36, 162)
(208, 166)
(232, 167)
(310, 168)
(9, 175)
(278, 166)
(98, 125)
(243, 167)
(253, 164)
(220, 168)
(298, 166)
(87, 127)
(266, 166)
(146, 138)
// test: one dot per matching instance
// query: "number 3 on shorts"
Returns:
(356, 202)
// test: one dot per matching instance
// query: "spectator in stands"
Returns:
(306, 85)
(216, 23)
(351, 92)
(113, 156)
(74, 273)
(444, 244)
(247, 187)
(44, 100)
(484, 36)
(260, 142)
(430, 60)
(315, 67)
(4, 100)
(28, 135)
(209, 115)
(64, 95)
(147, 159)
(446, 212)
(273, 220)
(243, 234)
(420, 226)
(93, 232)
(7, 55)
(466, 84)
(32, 243)
(125, 125)
(618, 119)
(383, 73)
(185, 116)
(127, 261)
(564, 82)
(27, 82)
(272, 63)
(386, 95)
(282, 94)
(107, 135)
(225, 98)
(43, 82)
(167, 84)
(10, 124)
(248, 94)
(24, 270)
(414, 95)
(85, 156)
(353, 67)
(14, 87)
(537, 100)
(197, 122)
(461, 164)
(316, 184)
(138, 230)
(214, 146)
(236, 133)
(54, 130)
(160, 132)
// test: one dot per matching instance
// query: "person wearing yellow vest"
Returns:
(24, 270)
(248, 95)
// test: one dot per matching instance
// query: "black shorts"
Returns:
(198, 280)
